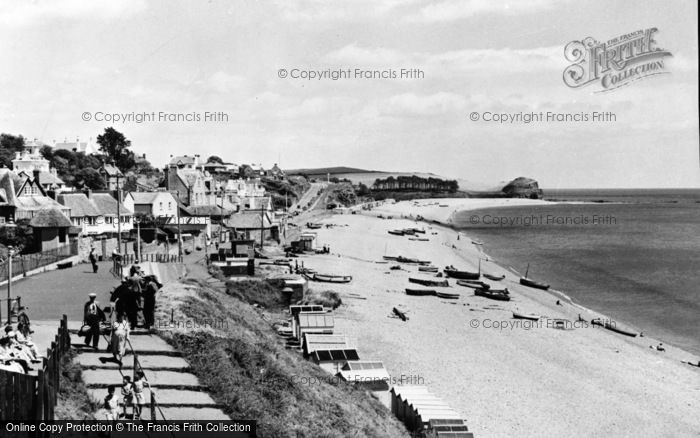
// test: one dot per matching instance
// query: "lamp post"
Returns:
(119, 217)
(10, 253)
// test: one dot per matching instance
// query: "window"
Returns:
(170, 205)
(109, 220)
(161, 206)
(62, 235)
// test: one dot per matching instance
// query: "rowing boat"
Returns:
(447, 295)
(494, 277)
(429, 282)
(420, 292)
(612, 326)
(529, 316)
(396, 232)
(491, 295)
(332, 278)
(461, 275)
(428, 268)
(474, 284)
(401, 259)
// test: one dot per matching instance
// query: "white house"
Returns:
(96, 213)
(156, 204)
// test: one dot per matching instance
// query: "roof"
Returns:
(247, 220)
(182, 159)
(147, 197)
(313, 342)
(207, 210)
(336, 355)
(38, 203)
(315, 319)
(80, 205)
(50, 218)
(111, 170)
(296, 308)
(107, 205)
(364, 372)
(44, 177)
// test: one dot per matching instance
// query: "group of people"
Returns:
(17, 351)
(136, 293)
(133, 394)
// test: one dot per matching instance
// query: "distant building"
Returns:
(87, 147)
(155, 204)
(31, 164)
(250, 224)
(111, 175)
(96, 213)
(50, 229)
(185, 162)
(275, 172)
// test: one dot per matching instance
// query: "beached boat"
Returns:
(313, 226)
(419, 239)
(494, 277)
(491, 295)
(447, 295)
(408, 231)
(396, 232)
(401, 259)
(461, 275)
(390, 258)
(614, 327)
(477, 242)
(427, 268)
(474, 284)
(420, 292)
(332, 278)
(525, 281)
(429, 282)
(530, 316)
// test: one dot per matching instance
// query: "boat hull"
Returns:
(461, 275)
(490, 295)
(420, 292)
(532, 283)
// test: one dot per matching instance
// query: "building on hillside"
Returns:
(107, 206)
(258, 170)
(30, 163)
(50, 229)
(155, 204)
(83, 212)
(111, 175)
(89, 147)
(21, 197)
(185, 162)
(251, 224)
(275, 172)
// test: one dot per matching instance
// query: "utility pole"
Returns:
(262, 225)
(138, 238)
(179, 234)
(221, 218)
(119, 216)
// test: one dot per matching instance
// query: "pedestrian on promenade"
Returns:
(92, 316)
(24, 326)
(149, 300)
(93, 260)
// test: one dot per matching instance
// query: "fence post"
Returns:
(39, 408)
(153, 405)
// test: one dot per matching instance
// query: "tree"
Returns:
(215, 159)
(116, 146)
(89, 178)
(9, 144)
(246, 171)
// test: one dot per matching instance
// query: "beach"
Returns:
(506, 377)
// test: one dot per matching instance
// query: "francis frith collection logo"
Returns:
(616, 62)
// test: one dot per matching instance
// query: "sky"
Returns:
(63, 59)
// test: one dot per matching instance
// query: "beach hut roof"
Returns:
(399, 390)
(364, 372)
(337, 355)
(296, 308)
(313, 342)
(315, 319)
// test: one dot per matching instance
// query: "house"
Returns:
(50, 229)
(275, 172)
(84, 214)
(21, 197)
(185, 162)
(192, 187)
(155, 204)
(111, 175)
(96, 213)
(107, 206)
(251, 224)
(31, 164)
(87, 147)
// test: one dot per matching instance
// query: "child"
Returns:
(139, 385)
(112, 404)
(127, 393)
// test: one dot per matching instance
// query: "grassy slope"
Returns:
(73, 400)
(249, 371)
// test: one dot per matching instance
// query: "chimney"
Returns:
(37, 176)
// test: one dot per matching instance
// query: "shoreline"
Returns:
(488, 374)
(556, 294)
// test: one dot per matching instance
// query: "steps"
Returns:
(179, 393)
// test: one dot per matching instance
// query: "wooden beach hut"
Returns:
(312, 342)
(416, 407)
(314, 322)
(448, 428)
(333, 360)
(369, 375)
(296, 308)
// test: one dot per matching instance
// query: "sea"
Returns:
(633, 255)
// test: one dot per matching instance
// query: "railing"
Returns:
(22, 264)
(28, 397)
(123, 260)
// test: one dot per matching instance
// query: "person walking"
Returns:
(24, 326)
(93, 260)
(133, 301)
(92, 316)
(111, 404)
(149, 300)
(120, 335)
(139, 394)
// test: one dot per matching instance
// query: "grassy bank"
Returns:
(249, 372)
(73, 400)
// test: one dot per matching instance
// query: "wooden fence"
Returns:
(22, 264)
(29, 397)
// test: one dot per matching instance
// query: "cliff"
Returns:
(522, 187)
